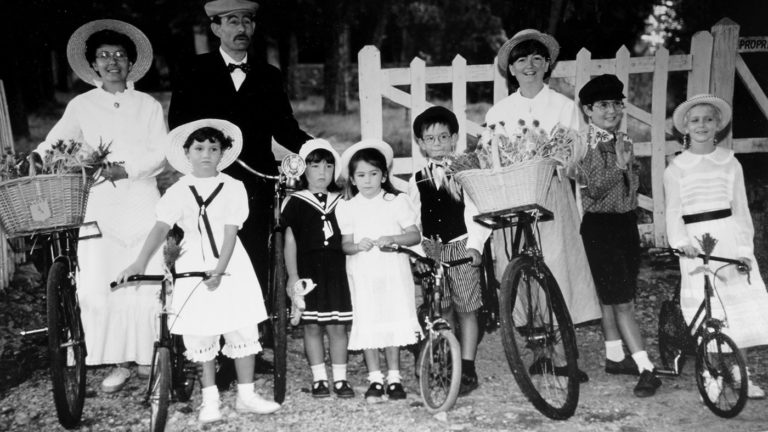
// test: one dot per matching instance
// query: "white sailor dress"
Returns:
(237, 302)
(319, 256)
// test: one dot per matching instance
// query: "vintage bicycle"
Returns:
(292, 167)
(537, 331)
(720, 367)
(439, 360)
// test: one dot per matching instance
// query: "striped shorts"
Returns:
(462, 281)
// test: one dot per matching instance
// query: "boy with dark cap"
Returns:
(441, 203)
(609, 228)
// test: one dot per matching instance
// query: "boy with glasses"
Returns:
(609, 228)
(440, 204)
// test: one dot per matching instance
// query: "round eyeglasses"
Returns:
(117, 55)
(605, 105)
(442, 138)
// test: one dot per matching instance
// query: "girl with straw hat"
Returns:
(111, 55)
(705, 193)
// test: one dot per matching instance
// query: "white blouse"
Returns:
(548, 107)
(696, 183)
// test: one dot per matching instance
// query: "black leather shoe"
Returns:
(627, 366)
(343, 390)
(395, 391)
(320, 389)
(263, 366)
(468, 384)
(545, 364)
(647, 384)
(374, 393)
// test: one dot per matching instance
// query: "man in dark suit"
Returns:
(231, 85)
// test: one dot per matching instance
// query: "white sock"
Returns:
(614, 350)
(376, 377)
(210, 394)
(393, 376)
(319, 373)
(339, 372)
(642, 361)
(245, 389)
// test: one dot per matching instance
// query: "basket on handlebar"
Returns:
(43, 202)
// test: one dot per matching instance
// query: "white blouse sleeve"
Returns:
(740, 209)
(404, 212)
(344, 219)
(677, 235)
(150, 160)
(169, 208)
(238, 202)
(67, 128)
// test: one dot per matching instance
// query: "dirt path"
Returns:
(606, 402)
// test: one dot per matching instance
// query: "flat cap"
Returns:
(224, 7)
(603, 87)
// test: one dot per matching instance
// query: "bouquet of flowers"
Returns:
(70, 157)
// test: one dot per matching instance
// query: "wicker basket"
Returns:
(44, 202)
(501, 188)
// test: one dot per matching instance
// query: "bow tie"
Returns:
(245, 67)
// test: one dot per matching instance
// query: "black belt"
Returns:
(707, 216)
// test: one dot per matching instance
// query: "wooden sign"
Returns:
(753, 44)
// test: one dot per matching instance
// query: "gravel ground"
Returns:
(606, 402)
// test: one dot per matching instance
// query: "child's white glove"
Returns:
(296, 293)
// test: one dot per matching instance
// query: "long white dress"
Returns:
(560, 240)
(119, 324)
(380, 283)
(237, 302)
(695, 184)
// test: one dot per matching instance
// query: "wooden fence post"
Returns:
(6, 136)
(622, 72)
(725, 46)
(418, 104)
(583, 73)
(369, 82)
(500, 90)
(659, 144)
(701, 62)
(459, 93)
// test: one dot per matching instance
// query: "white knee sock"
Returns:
(318, 372)
(614, 350)
(642, 361)
(393, 376)
(210, 394)
(245, 389)
(339, 372)
(376, 377)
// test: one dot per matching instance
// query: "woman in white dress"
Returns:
(526, 61)
(705, 193)
(119, 324)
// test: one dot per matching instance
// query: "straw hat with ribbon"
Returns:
(678, 117)
(523, 35)
(177, 157)
(321, 144)
(81, 66)
(373, 143)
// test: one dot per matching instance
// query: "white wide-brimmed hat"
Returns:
(177, 157)
(321, 144)
(80, 64)
(523, 35)
(373, 143)
(678, 117)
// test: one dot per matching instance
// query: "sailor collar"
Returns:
(332, 199)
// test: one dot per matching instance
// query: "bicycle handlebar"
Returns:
(257, 173)
(661, 252)
(158, 278)
(417, 257)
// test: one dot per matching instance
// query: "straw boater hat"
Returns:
(225, 7)
(523, 35)
(76, 49)
(177, 157)
(678, 117)
(373, 143)
(319, 143)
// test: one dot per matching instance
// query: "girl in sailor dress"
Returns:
(313, 251)
(210, 207)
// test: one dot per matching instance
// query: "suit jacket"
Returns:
(260, 108)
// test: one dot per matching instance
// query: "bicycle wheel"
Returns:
(719, 371)
(66, 345)
(184, 371)
(538, 338)
(278, 314)
(440, 371)
(160, 389)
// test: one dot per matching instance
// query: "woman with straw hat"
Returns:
(526, 61)
(111, 55)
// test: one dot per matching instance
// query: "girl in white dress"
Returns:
(210, 207)
(380, 283)
(705, 193)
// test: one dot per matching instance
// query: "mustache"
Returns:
(242, 36)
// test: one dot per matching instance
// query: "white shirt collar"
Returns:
(228, 59)
(719, 156)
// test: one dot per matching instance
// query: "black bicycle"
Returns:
(720, 367)
(277, 298)
(172, 375)
(537, 332)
